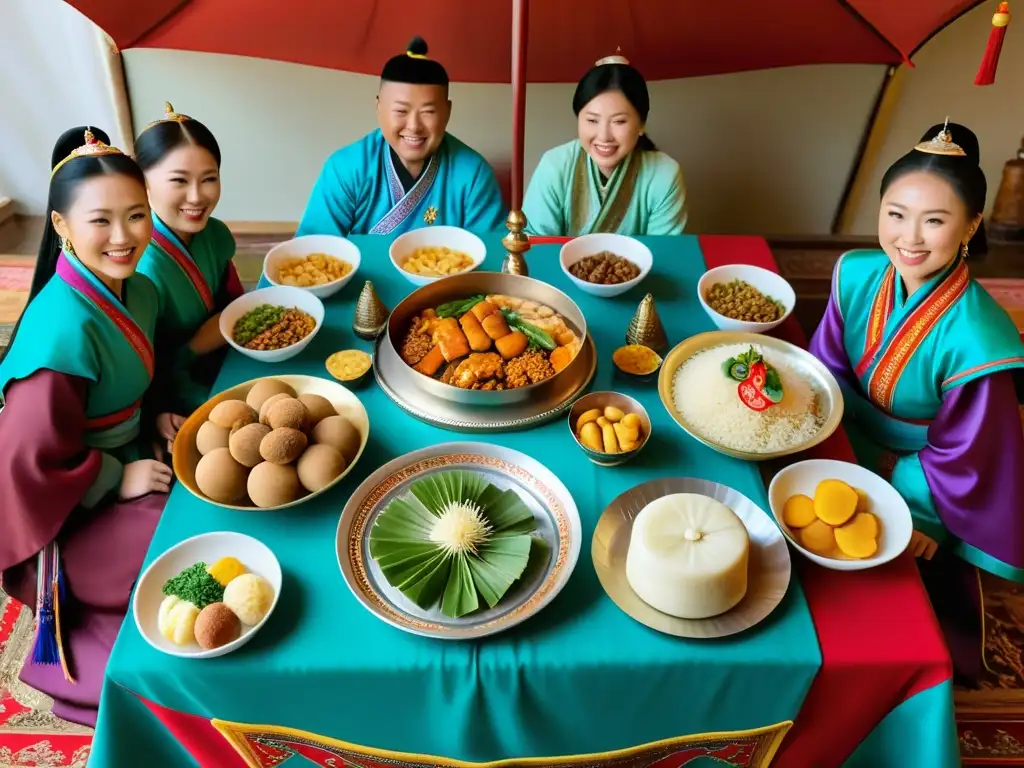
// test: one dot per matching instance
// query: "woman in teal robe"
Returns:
(930, 365)
(611, 178)
(189, 260)
(79, 495)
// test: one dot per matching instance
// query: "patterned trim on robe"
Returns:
(984, 367)
(178, 253)
(112, 308)
(880, 311)
(610, 216)
(406, 203)
(907, 340)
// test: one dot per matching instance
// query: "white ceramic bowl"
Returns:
(456, 238)
(300, 247)
(590, 245)
(766, 281)
(884, 502)
(280, 295)
(206, 548)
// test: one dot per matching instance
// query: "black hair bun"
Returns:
(72, 139)
(417, 46)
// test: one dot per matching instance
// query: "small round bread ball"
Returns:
(250, 597)
(230, 412)
(220, 477)
(319, 465)
(339, 432)
(210, 437)
(282, 446)
(244, 444)
(318, 408)
(287, 412)
(265, 408)
(216, 625)
(264, 389)
(271, 485)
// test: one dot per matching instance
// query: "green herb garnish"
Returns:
(533, 334)
(195, 585)
(256, 321)
(740, 368)
(459, 307)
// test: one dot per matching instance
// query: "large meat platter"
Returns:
(485, 351)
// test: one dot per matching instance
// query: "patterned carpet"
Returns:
(30, 735)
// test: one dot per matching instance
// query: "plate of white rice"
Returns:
(705, 402)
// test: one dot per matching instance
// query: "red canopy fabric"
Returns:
(472, 38)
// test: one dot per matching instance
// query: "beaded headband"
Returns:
(618, 58)
(942, 144)
(92, 147)
(170, 116)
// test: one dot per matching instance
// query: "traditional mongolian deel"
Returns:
(569, 196)
(360, 191)
(925, 380)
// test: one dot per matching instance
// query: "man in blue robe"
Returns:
(409, 173)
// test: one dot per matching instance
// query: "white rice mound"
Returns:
(710, 404)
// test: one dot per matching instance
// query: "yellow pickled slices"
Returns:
(798, 511)
(836, 523)
(835, 501)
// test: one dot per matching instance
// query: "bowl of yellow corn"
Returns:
(429, 254)
(320, 264)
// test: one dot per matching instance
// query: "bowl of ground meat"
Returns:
(606, 264)
(272, 324)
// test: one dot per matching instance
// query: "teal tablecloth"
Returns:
(580, 677)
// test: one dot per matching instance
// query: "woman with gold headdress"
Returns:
(927, 361)
(188, 259)
(79, 497)
(611, 178)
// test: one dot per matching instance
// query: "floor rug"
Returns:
(30, 735)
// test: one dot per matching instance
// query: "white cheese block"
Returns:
(688, 556)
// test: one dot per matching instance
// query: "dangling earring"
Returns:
(965, 252)
(66, 246)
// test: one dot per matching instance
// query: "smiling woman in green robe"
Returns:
(611, 178)
(188, 259)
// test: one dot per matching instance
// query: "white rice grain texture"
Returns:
(710, 404)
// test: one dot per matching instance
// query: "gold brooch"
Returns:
(431, 215)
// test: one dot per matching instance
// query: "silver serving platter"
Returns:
(558, 525)
(462, 287)
(768, 572)
(830, 396)
(549, 400)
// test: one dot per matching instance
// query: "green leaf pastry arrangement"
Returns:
(454, 538)
(760, 385)
(208, 605)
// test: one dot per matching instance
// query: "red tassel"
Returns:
(987, 70)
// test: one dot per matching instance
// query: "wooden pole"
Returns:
(516, 242)
(117, 87)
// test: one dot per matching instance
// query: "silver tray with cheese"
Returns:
(691, 558)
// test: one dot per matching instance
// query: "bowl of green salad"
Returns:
(272, 324)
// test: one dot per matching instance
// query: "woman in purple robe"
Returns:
(929, 365)
(79, 497)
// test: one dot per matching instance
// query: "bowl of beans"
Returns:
(429, 254)
(744, 298)
(605, 264)
(272, 324)
(320, 264)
